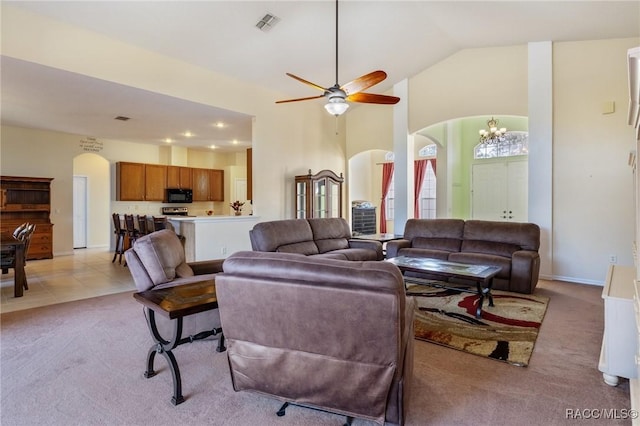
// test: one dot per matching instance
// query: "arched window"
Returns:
(513, 143)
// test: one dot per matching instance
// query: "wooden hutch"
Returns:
(318, 195)
(28, 199)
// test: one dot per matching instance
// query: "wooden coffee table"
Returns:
(176, 303)
(482, 275)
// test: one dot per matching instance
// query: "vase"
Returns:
(238, 213)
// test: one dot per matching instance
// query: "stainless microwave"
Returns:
(178, 195)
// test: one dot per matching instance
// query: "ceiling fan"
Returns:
(337, 95)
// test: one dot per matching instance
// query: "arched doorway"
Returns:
(95, 202)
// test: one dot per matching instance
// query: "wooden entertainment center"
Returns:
(28, 199)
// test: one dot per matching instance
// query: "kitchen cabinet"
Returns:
(318, 195)
(140, 182)
(155, 182)
(179, 177)
(201, 184)
(28, 199)
(208, 185)
(129, 181)
(148, 182)
(216, 190)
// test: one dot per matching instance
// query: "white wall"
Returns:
(593, 211)
(304, 134)
(592, 184)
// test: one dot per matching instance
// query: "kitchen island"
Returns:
(213, 237)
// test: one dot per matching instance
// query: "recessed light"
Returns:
(212, 147)
(122, 118)
(220, 125)
(188, 134)
(235, 142)
(168, 140)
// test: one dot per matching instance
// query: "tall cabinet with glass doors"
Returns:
(318, 195)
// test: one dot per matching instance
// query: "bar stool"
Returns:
(159, 222)
(132, 232)
(142, 225)
(119, 233)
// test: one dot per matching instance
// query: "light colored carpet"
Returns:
(506, 331)
(82, 363)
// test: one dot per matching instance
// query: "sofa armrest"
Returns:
(393, 247)
(206, 266)
(525, 269)
(369, 245)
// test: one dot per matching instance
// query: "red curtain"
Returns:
(433, 165)
(419, 170)
(387, 175)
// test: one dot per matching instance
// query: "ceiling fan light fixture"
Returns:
(336, 106)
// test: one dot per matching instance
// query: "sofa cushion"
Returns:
(450, 229)
(356, 254)
(524, 235)
(417, 252)
(489, 247)
(443, 244)
(330, 233)
(271, 236)
(162, 255)
(307, 248)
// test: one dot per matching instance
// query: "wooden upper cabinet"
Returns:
(129, 181)
(208, 185)
(148, 182)
(179, 177)
(216, 185)
(155, 182)
(201, 184)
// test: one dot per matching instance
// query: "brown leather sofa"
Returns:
(323, 333)
(322, 237)
(511, 246)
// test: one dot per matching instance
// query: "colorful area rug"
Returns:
(506, 332)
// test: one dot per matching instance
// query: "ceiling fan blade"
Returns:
(364, 82)
(371, 98)
(299, 99)
(302, 80)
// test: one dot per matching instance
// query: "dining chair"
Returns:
(8, 258)
(119, 232)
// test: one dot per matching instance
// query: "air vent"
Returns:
(267, 22)
(122, 118)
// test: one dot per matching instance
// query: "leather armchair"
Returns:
(157, 261)
(324, 333)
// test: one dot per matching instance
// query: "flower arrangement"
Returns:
(237, 206)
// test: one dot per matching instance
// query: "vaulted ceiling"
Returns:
(400, 37)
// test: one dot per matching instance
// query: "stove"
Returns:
(175, 211)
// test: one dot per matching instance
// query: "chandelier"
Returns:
(493, 135)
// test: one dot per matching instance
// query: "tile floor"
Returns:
(87, 273)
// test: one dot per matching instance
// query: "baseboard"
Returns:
(576, 280)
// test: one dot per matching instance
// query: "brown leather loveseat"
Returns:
(511, 246)
(323, 333)
(322, 237)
